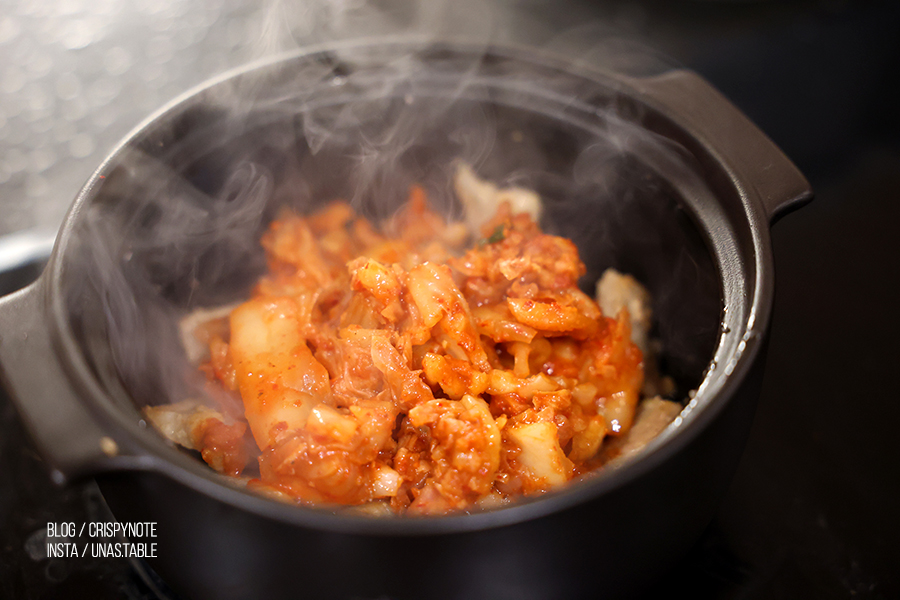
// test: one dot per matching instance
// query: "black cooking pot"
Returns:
(658, 176)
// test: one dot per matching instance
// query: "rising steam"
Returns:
(176, 224)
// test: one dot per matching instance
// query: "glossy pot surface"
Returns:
(659, 176)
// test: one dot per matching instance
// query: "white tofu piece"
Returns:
(652, 417)
(177, 421)
(616, 291)
(481, 198)
(541, 453)
(196, 349)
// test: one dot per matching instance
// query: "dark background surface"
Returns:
(812, 512)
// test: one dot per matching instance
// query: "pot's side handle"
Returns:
(66, 435)
(696, 104)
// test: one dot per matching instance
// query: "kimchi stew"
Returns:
(419, 366)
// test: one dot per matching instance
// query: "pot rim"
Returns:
(737, 349)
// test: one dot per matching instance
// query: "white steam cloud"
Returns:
(177, 222)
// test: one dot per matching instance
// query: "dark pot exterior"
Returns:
(609, 547)
(608, 536)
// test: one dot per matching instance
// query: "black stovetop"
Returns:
(812, 509)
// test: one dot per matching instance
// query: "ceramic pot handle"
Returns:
(698, 107)
(66, 434)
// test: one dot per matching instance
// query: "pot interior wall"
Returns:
(175, 223)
